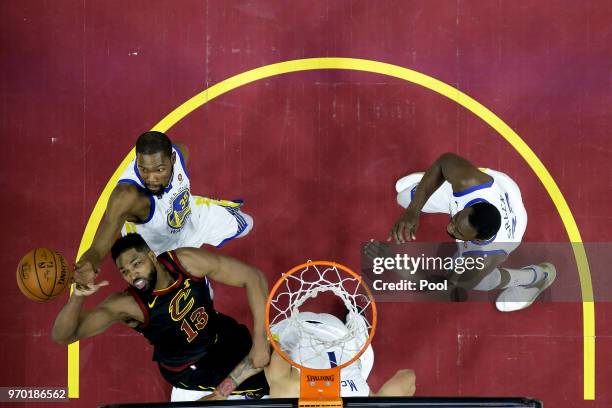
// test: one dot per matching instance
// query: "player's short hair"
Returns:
(485, 219)
(128, 242)
(154, 142)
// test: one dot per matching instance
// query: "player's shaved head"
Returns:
(154, 142)
(485, 219)
(127, 242)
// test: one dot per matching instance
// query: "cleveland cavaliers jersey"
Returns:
(170, 219)
(180, 320)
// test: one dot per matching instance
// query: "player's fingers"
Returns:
(103, 283)
(408, 233)
(400, 233)
(393, 233)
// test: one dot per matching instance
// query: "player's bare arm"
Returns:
(230, 271)
(74, 323)
(402, 384)
(126, 203)
(239, 374)
(284, 380)
(459, 172)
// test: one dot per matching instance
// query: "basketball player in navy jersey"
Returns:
(488, 220)
(168, 301)
(153, 198)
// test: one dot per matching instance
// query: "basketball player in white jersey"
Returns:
(305, 347)
(487, 219)
(153, 198)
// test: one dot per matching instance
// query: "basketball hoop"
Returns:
(289, 297)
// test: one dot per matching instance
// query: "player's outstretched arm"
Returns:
(126, 203)
(231, 271)
(73, 323)
(239, 374)
(459, 172)
(402, 384)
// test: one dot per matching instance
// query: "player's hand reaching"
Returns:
(84, 278)
(376, 249)
(260, 353)
(88, 290)
(85, 271)
(405, 227)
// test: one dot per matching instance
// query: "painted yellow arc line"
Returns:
(588, 305)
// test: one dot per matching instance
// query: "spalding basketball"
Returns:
(42, 274)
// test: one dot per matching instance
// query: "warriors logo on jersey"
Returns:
(177, 219)
(180, 210)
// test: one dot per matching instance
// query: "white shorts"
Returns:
(212, 222)
(216, 222)
(180, 394)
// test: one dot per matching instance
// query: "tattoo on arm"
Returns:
(227, 386)
(241, 372)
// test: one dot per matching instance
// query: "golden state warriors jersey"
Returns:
(170, 220)
(505, 195)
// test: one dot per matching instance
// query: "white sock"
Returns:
(525, 276)
(489, 282)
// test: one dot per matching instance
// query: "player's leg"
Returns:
(402, 384)
(437, 203)
(522, 286)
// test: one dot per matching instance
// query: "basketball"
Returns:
(42, 274)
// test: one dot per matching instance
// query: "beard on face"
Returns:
(160, 190)
(150, 282)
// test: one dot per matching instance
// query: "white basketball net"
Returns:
(312, 339)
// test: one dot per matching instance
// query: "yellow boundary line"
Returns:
(588, 305)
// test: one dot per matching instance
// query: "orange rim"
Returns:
(300, 267)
